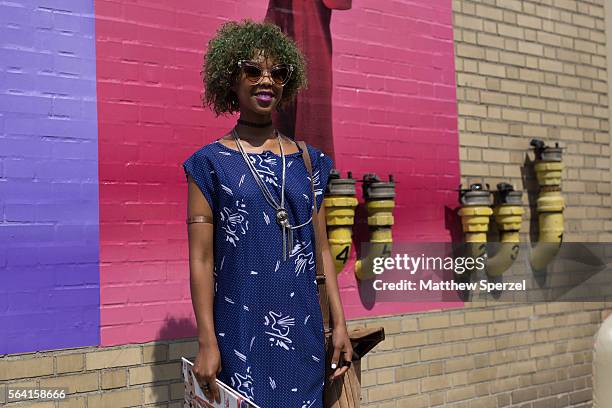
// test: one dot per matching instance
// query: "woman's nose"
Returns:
(266, 76)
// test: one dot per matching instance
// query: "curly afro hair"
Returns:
(235, 41)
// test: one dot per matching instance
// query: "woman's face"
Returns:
(259, 99)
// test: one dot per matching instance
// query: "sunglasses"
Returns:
(280, 74)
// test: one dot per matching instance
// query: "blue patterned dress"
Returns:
(268, 321)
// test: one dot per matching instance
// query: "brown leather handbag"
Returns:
(344, 392)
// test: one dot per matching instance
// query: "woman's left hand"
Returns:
(342, 349)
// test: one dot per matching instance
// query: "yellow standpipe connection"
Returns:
(550, 204)
(475, 215)
(380, 201)
(340, 203)
(508, 213)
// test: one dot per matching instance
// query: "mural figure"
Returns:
(308, 23)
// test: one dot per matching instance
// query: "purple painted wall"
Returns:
(49, 234)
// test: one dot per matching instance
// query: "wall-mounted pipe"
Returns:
(340, 203)
(550, 204)
(475, 217)
(508, 213)
(475, 213)
(380, 201)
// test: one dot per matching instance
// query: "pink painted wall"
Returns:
(394, 79)
(149, 55)
(394, 84)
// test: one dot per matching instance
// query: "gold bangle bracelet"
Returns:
(199, 218)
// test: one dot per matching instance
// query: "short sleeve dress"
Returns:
(268, 321)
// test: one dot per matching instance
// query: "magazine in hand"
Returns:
(195, 398)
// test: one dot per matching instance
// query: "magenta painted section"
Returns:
(150, 54)
(393, 112)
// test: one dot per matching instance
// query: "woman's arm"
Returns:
(202, 281)
(201, 264)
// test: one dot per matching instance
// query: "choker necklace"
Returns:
(253, 124)
(282, 215)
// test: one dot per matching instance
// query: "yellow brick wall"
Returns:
(537, 69)
(506, 355)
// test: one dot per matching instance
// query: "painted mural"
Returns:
(308, 23)
(100, 103)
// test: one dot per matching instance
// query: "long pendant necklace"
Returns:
(282, 216)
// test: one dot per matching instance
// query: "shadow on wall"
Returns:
(530, 183)
(167, 380)
(452, 223)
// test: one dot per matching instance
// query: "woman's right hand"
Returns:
(206, 367)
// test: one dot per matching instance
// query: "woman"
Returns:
(251, 237)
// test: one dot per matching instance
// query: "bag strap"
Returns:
(323, 300)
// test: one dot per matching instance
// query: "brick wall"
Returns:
(396, 89)
(49, 238)
(537, 69)
(395, 113)
(536, 356)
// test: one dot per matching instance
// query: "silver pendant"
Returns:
(282, 217)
